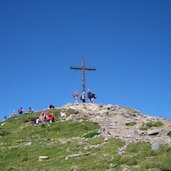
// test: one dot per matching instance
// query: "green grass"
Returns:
(169, 133)
(21, 144)
(142, 155)
(91, 134)
(131, 124)
(151, 124)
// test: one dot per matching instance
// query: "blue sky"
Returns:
(129, 43)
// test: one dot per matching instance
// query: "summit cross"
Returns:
(83, 68)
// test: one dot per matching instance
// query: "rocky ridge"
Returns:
(115, 122)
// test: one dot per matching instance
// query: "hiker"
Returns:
(30, 110)
(75, 95)
(82, 97)
(20, 111)
(51, 107)
(93, 96)
(89, 96)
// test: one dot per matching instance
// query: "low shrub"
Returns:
(131, 123)
(154, 124)
(169, 134)
(91, 134)
(151, 124)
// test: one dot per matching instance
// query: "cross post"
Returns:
(83, 68)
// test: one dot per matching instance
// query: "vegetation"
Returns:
(91, 134)
(169, 133)
(141, 157)
(151, 124)
(21, 144)
(131, 123)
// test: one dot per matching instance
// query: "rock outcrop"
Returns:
(122, 122)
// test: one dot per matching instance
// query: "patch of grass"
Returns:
(151, 124)
(91, 134)
(154, 124)
(141, 154)
(169, 133)
(56, 112)
(70, 111)
(3, 132)
(144, 128)
(131, 123)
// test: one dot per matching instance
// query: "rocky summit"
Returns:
(123, 122)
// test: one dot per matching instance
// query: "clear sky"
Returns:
(129, 43)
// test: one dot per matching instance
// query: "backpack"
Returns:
(93, 95)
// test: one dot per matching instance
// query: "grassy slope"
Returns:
(21, 144)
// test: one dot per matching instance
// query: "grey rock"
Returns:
(29, 143)
(72, 156)
(3, 124)
(126, 169)
(155, 146)
(112, 165)
(153, 132)
(41, 158)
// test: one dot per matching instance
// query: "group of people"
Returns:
(45, 117)
(90, 95)
(30, 110)
(21, 111)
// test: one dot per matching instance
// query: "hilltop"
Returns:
(125, 123)
(89, 137)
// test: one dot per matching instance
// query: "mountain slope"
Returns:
(91, 137)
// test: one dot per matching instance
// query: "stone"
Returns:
(155, 146)
(112, 165)
(106, 139)
(73, 168)
(94, 146)
(29, 143)
(126, 169)
(3, 124)
(41, 158)
(72, 156)
(152, 132)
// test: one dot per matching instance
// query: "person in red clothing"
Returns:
(20, 110)
(51, 117)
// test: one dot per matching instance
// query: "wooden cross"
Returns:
(83, 68)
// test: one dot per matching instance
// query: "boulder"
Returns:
(153, 132)
(41, 158)
(155, 146)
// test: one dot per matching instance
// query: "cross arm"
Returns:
(82, 68)
(77, 68)
(91, 69)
